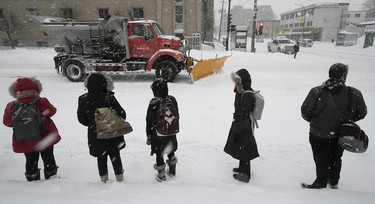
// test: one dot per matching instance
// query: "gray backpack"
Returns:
(258, 107)
(27, 121)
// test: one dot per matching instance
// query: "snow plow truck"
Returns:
(114, 45)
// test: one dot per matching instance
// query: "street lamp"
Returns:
(303, 16)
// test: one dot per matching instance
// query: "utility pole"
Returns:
(254, 23)
(228, 26)
(221, 18)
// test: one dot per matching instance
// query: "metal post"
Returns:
(253, 29)
(228, 25)
(221, 19)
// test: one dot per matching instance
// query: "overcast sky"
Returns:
(280, 6)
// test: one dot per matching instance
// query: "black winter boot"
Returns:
(242, 177)
(33, 176)
(161, 172)
(50, 172)
(172, 166)
(313, 186)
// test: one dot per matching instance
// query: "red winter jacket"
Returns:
(25, 89)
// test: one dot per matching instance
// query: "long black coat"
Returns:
(87, 104)
(241, 142)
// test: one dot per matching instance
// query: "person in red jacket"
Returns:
(25, 90)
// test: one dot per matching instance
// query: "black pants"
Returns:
(244, 167)
(115, 160)
(327, 156)
(295, 54)
(32, 159)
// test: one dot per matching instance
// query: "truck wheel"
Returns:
(166, 70)
(74, 70)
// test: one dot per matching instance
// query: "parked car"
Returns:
(282, 44)
(306, 43)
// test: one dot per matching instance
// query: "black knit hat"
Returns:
(160, 88)
(338, 71)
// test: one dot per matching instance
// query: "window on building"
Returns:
(290, 25)
(286, 17)
(301, 24)
(292, 16)
(282, 18)
(179, 13)
(66, 12)
(138, 13)
(103, 13)
(1, 14)
(309, 23)
(348, 15)
(357, 15)
(33, 11)
(296, 25)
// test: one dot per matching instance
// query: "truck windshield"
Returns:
(158, 29)
(285, 41)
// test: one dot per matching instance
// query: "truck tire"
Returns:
(74, 70)
(166, 70)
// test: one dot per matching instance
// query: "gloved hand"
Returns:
(237, 138)
(148, 142)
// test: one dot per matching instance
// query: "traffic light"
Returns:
(232, 28)
(229, 20)
(260, 29)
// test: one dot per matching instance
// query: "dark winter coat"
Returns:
(159, 143)
(296, 48)
(325, 107)
(241, 142)
(99, 87)
(25, 89)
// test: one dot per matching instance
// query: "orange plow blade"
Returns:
(208, 67)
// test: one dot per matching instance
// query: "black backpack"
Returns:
(27, 121)
(167, 119)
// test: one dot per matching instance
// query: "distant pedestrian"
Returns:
(162, 142)
(241, 143)
(100, 93)
(27, 91)
(325, 108)
(296, 49)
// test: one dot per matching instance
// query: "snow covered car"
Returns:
(306, 43)
(283, 45)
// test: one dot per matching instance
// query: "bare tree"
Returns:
(369, 6)
(9, 25)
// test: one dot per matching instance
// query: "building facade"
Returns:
(186, 17)
(320, 22)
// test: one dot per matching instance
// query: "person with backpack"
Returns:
(34, 132)
(241, 144)
(162, 125)
(325, 108)
(100, 94)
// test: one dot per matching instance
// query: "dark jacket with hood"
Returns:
(241, 142)
(158, 144)
(25, 90)
(326, 106)
(99, 86)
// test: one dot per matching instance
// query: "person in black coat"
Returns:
(241, 143)
(296, 49)
(160, 145)
(325, 108)
(100, 87)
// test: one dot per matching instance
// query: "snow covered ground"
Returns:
(204, 171)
